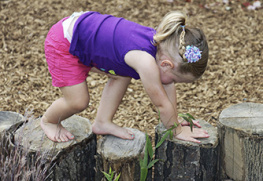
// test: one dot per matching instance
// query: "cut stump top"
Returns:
(247, 117)
(115, 148)
(8, 118)
(32, 137)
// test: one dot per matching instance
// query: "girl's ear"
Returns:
(167, 64)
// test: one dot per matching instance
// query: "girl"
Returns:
(123, 50)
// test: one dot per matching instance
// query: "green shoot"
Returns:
(109, 176)
(189, 118)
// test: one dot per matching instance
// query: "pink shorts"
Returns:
(65, 69)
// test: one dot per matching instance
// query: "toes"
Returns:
(131, 135)
(64, 138)
(55, 139)
(69, 136)
(58, 140)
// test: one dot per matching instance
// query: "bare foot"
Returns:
(56, 132)
(104, 128)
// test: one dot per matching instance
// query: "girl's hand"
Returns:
(185, 123)
(187, 135)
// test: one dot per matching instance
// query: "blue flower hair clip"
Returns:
(192, 54)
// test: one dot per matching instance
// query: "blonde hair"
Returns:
(172, 33)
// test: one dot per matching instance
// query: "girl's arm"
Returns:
(171, 93)
(149, 73)
(148, 70)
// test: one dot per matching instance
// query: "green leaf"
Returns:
(118, 177)
(145, 159)
(144, 172)
(181, 114)
(175, 125)
(152, 163)
(108, 177)
(185, 117)
(191, 125)
(171, 134)
(149, 146)
(190, 116)
(141, 162)
(170, 129)
(162, 140)
(112, 175)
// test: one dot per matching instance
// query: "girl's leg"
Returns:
(110, 100)
(75, 99)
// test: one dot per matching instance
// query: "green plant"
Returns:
(109, 176)
(146, 164)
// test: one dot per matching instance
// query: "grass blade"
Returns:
(144, 172)
(190, 116)
(118, 177)
(152, 163)
(162, 140)
(108, 177)
(149, 146)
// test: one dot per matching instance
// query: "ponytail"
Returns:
(170, 25)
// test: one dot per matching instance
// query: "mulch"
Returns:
(234, 74)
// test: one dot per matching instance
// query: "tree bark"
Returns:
(181, 160)
(122, 156)
(241, 136)
(72, 160)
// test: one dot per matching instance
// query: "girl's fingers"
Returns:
(202, 135)
(188, 135)
(195, 140)
(196, 123)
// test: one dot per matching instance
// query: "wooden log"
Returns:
(8, 118)
(241, 136)
(122, 156)
(182, 160)
(73, 160)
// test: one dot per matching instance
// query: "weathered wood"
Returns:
(241, 137)
(8, 118)
(122, 156)
(181, 160)
(73, 160)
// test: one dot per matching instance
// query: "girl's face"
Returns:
(168, 77)
(169, 70)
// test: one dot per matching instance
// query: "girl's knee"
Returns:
(79, 104)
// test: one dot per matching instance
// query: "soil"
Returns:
(234, 74)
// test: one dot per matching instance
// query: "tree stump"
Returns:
(8, 118)
(241, 136)
(7, 121)
(181, 160)
(122, 156)
(73, 160)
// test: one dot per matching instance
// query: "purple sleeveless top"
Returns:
(102, 41)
